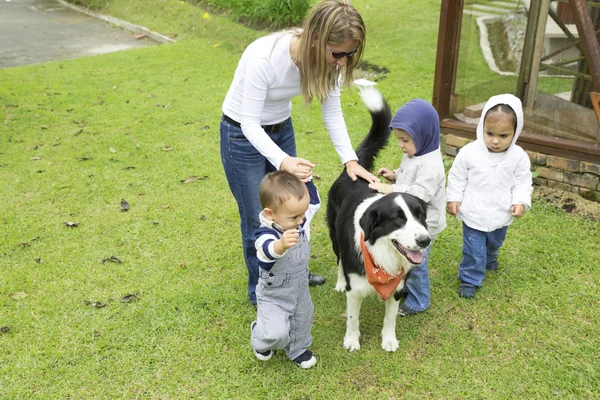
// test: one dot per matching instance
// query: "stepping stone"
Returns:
(475, 13)
(490, 10)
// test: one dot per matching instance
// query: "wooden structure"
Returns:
(444, 98)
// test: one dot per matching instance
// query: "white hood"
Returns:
(511, 101)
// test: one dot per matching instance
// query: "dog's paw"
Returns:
(351, 343)
(389, 344)
(340, 286)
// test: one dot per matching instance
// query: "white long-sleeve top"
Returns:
(424, 177)
(265, 81)
(487, 184)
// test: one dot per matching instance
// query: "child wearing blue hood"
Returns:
(416, 125)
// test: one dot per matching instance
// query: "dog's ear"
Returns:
(368, 222)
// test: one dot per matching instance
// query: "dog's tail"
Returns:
(380, 128)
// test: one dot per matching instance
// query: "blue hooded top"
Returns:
(422, 122)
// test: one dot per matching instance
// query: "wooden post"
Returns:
(536, 58)
(595, 97)
(528, 45)
(589, 41)
(447, 56)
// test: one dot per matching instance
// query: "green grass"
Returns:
(78, 136)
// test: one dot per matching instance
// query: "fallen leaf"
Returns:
(203, 217)
(129, 298)
(4, 329)
(84, 158)
(167, 148)
(95, 304)
(141, 36)
(112, 149)
(35, 158)
(124, 205)
(72, 224)
(189, 179)
(18, 295)
(114, 259)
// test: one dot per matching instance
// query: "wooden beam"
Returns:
(589, 41)
(550, 145)
(595, 97)
(536, 58)
(447, 56)
(528, 45)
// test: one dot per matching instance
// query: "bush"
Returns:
(269, 14)
(90, 4)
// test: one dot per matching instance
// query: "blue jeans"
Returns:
(245, 167)
(479, 249)
(417, 284)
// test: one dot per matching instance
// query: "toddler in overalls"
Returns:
(284, 308)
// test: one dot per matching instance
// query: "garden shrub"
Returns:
(267, 14)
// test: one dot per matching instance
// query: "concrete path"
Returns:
(37, 31)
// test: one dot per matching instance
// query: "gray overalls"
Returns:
(285, 309)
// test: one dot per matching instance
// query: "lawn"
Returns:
(97, 302)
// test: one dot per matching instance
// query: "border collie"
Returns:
(377, 238)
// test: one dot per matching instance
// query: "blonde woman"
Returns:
(257, 135)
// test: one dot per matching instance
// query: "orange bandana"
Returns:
(384, 283)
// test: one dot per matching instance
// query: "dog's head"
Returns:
(395, 230)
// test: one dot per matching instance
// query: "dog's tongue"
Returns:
(416, 257)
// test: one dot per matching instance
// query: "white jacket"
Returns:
(265, 81)
(487, 184)
(424, 177)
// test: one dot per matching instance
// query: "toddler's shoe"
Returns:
(492, 265)
(404, 310)
(306, 360)
(466, 290)
(315, 280)
(261, 355)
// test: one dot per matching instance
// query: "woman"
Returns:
(257, 135)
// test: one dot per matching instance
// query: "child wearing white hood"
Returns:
(489, 184)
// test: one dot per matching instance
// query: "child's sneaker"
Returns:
(404, 310)
(492, 265)
(306, 360)
(466, 290)
(261, 355)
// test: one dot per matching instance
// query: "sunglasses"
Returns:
(340, 54)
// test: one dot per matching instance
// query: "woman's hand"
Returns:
(390, 176)
(298, 166)
(354, 170)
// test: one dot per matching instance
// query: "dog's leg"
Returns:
(340, 286)
(388, 333)
(353, 301)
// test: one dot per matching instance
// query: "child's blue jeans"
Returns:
(417, 284)
(479, 249)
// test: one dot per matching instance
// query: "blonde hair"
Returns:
(278, 187)
(334, 22)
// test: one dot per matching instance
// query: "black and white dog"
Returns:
(377, 238)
